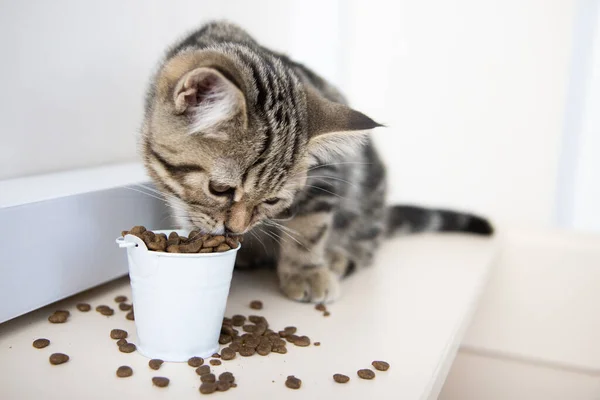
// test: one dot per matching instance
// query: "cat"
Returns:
(243, 140)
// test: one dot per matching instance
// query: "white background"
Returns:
(474, 92)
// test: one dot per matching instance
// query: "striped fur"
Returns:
(275, 153)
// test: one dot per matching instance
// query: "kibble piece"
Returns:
(215, 241)
(125, 307)
(250, 341)
(227, 354)
(58, 358)
(191, 247)
(247, 351)
(290, 330)
(173, 248)
(84, 307)
(64, 312)
(256, 319)
(58, 318)
(227, 377)
(120, 299)
(326, 314)
(155, 363)
(365, 374)
(216, 355)
(41, 343)
(231, 242)
(222, 247)
(256, 305)
(127, 348)
(292, 382)
(263, 350)
(238, 320)
(208, 378)
(341, 378)
(215, 362)
(234, 346)
(224, 339)
(223, 386)
(202, 370)
(279, 350)
(137, 229)
(229, 331)
(320, 307)
(101, 307)
(121, 342)
(206, 250)
(208, 387)
(195, 362)
(160, 381)
(130, 316)
(380, 365)
(173, 240)
(292, 338)
(107, 311)
(302, 341)
(118, 334)
(249, 328)
(317, 343)
(124, 371)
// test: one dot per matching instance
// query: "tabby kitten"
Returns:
(241, 139)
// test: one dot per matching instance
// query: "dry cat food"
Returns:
(208, 378)
(227, 377)
(41, 343)
(58, 358)
(85, 307)
(365, 374)
(155, 363)
(227, 354)
(195, 362)
(105, 310)
(323, 308)
(195, 242)
(203, 370)
(215, 362)
(208, 387)
(124, 371)
(118, 334)
(130, 316)
(238, 320)
(380, 365)
(127, 348)
(326, 314)
(160, 381)
(59, 316)
(292, 382)
(302, 341)
(125, 306)
(120, 299)
(317, 343)
(256, 305)
(121, 342)
(341, 378)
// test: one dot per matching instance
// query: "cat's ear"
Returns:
(210, 99)
(334, 129)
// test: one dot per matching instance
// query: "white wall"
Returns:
(73, 73)
(474, 93)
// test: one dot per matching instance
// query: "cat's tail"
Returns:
(410, 219)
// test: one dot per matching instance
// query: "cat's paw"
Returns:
(318, 285)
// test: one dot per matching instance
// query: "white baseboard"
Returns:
(60, 240)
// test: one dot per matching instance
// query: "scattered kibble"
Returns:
(160, 381)
(320, 307)
(215, 362)
(124, 371)
(120, 299)
(208, 378)
(125, 306)
(41, 343)
(84, 307)
(317, 343)
(302, 341)
(326, 314)
(292, 382)
(59, 317)
(256, 305)
(121, 342)
(195, 362)
(366, 374)
(155, 363)
(127, 348)
(208, 387)
(130, 316)
(118, 334)
(380, 365)
(203, 370)
(58, 358)
(341, 378)
(227, 354)
(227, 377)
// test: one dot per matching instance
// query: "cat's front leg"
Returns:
(303, 268)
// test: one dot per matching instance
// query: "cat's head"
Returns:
(228, 137)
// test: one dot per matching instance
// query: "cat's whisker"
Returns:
(158, 192)
(283, 227)
(155, 197)
(329, 164)
(258, 239)
(293, 238)
(326, 191)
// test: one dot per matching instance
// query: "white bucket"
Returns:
(178, 299)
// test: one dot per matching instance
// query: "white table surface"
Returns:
(411, 309)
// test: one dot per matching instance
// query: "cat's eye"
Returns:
(272, 201)
(219, 189)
